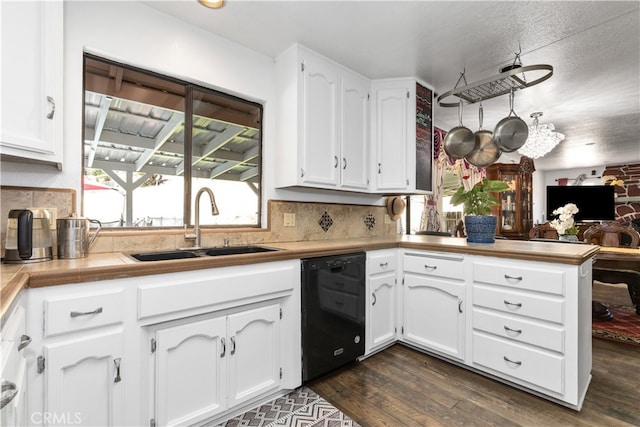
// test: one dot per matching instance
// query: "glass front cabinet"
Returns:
(515, 215)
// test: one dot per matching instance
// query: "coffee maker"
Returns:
(28, 236)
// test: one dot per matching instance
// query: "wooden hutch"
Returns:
(515, 212)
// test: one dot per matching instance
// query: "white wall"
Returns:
(135, 34)
(542, 179)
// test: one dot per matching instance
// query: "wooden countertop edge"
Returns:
(125, 267)
(10, 292)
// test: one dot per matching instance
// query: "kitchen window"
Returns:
(139, 130)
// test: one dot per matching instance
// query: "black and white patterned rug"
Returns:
(300, 408)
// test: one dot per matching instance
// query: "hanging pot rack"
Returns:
(510, 78)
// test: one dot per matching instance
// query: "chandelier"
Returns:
(541, 140)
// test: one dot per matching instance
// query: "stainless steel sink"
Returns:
(235, 250)
(164, 256)
(203, 252)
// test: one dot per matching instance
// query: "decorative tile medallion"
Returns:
(325, 221)
(300, 408)
(370, 221)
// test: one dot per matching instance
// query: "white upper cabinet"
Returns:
(323, 121)
(392, 131)
(31, 92)
(401, 136)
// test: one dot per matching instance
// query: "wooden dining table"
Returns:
(620, 265)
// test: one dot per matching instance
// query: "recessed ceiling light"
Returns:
(213, 4)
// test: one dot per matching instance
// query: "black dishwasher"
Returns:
(333, 312)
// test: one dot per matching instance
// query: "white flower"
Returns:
(565, 224)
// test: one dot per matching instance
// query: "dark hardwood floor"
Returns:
(403, 387)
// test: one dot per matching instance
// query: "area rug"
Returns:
(624, 327)
(300, 408)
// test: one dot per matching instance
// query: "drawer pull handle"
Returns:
(52, 111)
(335, 162)
(373, 295)
(384, 264)
(460, 305)
(224, 347)
(116, 362)
(513, 304)
(512, 361)
(430, 267)
(9, 391)
(344, 163)
(515, 331)
(85, 313)
(233, 345)
(25, 340)
(517, 278)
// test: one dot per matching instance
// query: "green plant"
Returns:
(478, 200)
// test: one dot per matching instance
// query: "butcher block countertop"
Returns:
(105, 266)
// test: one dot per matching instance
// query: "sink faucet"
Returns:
(214, 211)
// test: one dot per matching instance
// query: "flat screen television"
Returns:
(595, 202)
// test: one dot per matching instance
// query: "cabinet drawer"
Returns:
(70, 314)
(517, 361)
(519, 329)
(382, 263)
(536, 306)
(538, 280)
(450, 267)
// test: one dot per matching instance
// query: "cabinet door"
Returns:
(391, 133)
(190, 372)
(32, 46)
(354, 136)
(381, 325)
(254, 353)
(433, 314)
(13, 365)
(320, 151)
(83, 383)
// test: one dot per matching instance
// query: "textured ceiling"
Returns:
(593, 96)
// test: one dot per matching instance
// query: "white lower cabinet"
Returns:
(172, 349)
(13, 409)
(381, 299)
(433, 307)
(531, 325)
(206, 366)
(83, 383)
(79, 368)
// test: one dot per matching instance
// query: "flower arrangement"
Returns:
(564, 224)
(478, 200)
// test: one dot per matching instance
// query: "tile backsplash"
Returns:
(288, 221)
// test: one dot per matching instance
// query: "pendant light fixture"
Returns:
(542, 139)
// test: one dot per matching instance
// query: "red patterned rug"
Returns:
(624, 327)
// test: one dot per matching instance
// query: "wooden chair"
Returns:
(613, 234)
(543, 231)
